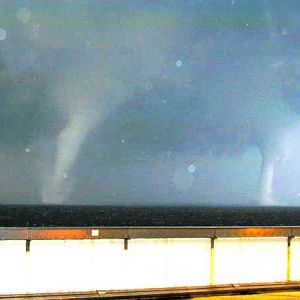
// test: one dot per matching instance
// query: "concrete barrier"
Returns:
(46, 266)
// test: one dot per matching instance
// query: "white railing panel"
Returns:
(295, 258)
(70, 265)
(246, 260)
(13, 262)
(167, 262)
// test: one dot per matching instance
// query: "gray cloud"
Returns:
(109, 100)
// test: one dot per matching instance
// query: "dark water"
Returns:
(16, 215)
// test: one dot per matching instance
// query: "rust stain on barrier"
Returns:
(62, 233)
(212, 261)
(258, 232)
(57, 234)
(289, 261)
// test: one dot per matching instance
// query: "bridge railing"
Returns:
(51, 260)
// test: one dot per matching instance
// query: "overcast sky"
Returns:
(148, 102)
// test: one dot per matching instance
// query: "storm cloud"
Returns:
(148, 102)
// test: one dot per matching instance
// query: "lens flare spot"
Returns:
(192, 168)
(179, 63)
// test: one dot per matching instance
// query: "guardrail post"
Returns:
(288, 267)
(126, 243)
(212, 261)
(27, 245)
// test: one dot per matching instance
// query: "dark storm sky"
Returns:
(181, 97)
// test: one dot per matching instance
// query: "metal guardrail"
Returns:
(73, 233)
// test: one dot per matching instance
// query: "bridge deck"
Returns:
(287, 295)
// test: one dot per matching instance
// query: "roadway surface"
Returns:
(286, 295)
